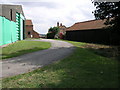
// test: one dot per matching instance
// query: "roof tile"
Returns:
(88, 25)
(28, 22)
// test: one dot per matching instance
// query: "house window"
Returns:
(11, 14)
(29, 33)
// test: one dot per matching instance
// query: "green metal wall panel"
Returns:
(11, 31)
(21, 27)
(18, 26)
(1, 31)
(8, 31)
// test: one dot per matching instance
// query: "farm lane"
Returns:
(28, 62)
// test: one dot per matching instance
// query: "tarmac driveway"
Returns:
(32, 61)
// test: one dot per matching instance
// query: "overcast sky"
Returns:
(46, 13)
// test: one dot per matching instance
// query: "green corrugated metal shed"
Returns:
(11, 23)
(1, 31)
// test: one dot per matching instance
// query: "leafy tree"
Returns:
(52, 32)
(50, 35)
(109, 11)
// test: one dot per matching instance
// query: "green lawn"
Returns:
(83, 69)
(23, 47)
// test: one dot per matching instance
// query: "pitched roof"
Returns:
(28, 22)
(88, 25)
(9, 11)
(7, 7)
(35, 32)
(63, 26)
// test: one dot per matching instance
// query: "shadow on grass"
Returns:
(106, 52)
(21, 52)
(82, 69)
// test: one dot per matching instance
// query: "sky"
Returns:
(46, 13)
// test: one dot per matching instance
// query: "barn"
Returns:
(12, 23)
(93, 31)
(30, 33)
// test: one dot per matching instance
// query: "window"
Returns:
(11, 14)
(28, 33)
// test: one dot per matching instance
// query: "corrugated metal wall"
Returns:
(11, 31)
(8, 31)
(1, 31)
(19, 26)
(11, 23)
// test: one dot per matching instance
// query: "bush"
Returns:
(50, 35)
(61, 36)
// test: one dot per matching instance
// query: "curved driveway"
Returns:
(31, 61)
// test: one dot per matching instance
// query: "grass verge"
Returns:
(23, 47)
(83, 69)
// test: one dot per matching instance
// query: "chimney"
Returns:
(60, 24)
(57, 24)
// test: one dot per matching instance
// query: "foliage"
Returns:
(50, 35)
(83, 69)
(52, 32)
(109, 11)
(23, 47)
(61, 35)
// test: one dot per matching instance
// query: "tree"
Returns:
(109, 11)
(50, 35)
(52, 32)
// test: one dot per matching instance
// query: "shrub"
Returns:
(50, 35)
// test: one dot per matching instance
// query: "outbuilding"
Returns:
(93, 31)
(30, 33)
(12, 23)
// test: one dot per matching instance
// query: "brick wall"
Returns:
(29, 31)
(35, 34)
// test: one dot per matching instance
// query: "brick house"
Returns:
(62, 28)
(30, 33)
(62, 31)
